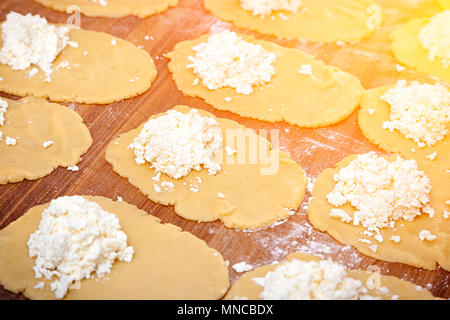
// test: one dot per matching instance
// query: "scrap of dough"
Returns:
(371, 126)
(32, 121)
(239, 195)
(245, 287)
(168, 263)
(409, 52)
(317, 20)
(410, 250)
(98, 73)
(114, 9)
(327, 96)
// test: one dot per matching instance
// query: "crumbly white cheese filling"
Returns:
(300, 280)
(103, 3)
(426, 235)
(435, 38)
(31, 40)
(420, 112)
(177, 143)
(226, 60)
(381, 191)
(75, 239)
(3, 107)
(265, 8)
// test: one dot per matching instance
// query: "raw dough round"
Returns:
(409, 52)
(371, 126)
(317, 20)
(246, 287)
(327, 97)
(114, 9)
(104, 75)
(250, 199)
(167, 264)
(410, 250)
(32, 121)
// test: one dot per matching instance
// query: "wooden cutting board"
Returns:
(315, 149)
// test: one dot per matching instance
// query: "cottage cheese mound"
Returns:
(226, 60)
(419, 111)
(76, 238)
(176, 143)
(265, 8)
(381, 191)
(435, 38)
(300, 280)
(31, 40)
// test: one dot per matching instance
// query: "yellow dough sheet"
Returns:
(114, 8)
(98, 72)
(245, 287)
(251, 198)
(317, 20)
(33, 121)
(327, 96)
(168, 263)
(410, 250)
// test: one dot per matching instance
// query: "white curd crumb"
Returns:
(47, 144)
(242, 267)
(432, 156)
(10, 141)
(426, 235)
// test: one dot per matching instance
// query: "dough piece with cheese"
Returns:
(375, 111)
(390, 287)
(167, 262)
(409, 50)
(112, 8)
(47, 135)
(399, 244)
(250, 190)
(303, 91)
(315, 20)
(94, 67)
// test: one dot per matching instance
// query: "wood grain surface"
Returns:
(315, 149)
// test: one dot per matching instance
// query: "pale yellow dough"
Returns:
(328, 96)
(317, 20)
(114, 9)
(167, 264)
(246, 287)
(32, 121)
(101, 76)
(371, 126)
(409, 52)
(250, 199)
(444, 3)
(410, 250)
